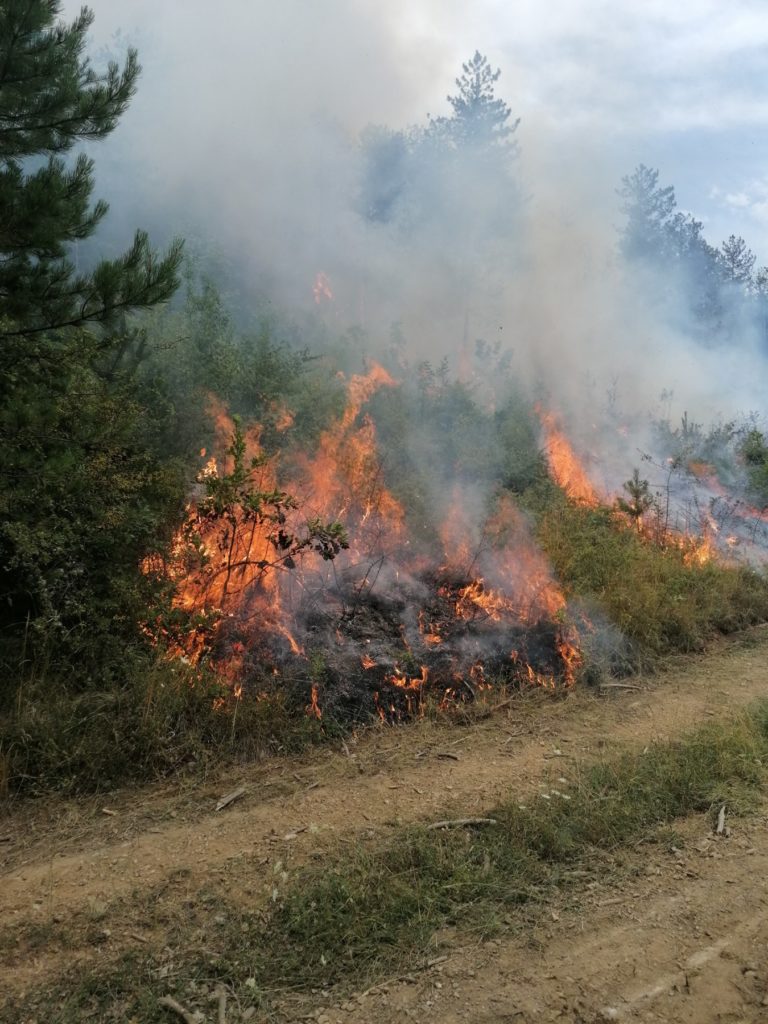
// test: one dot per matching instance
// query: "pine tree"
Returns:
(479, 115)
(87, 490)
(736, 262)
(51, 99)
(480, 119)
(649, 210)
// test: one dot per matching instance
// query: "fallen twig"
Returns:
(720, 821)
(170, 1004)
(620, 686)
(222, 1006)
(461, 822)
(427, 965)
(230, 798)
(447, 755)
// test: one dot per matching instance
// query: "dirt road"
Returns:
(66, 865)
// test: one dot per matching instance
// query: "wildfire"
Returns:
(564, 465)
(227, 566)
(344, 480)
(428, 630)
(471, 599)
(313, 708)
(321, 289)
(571, 655)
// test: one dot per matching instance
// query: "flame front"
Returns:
(482, 605)
(564, 465)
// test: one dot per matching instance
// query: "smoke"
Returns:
(246, 131)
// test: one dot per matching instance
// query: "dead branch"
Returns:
(230, 798)
(461, 822)
(168, 1003)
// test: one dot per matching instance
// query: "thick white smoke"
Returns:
(246, 127)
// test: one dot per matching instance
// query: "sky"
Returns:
(681, 87)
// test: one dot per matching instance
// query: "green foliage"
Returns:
(50, 99)
(661, 598)
(451, 181)
(86, 493)
(754, 450)
(258, 372)
(84, 498)
(245, 513)
(480, 119)
(437, 430)
(639, 500)
(714, 290)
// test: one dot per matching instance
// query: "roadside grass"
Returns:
(375, 909)
(660, 601)
(162, 720)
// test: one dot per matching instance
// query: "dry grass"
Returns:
(657, 602)
(374, 908)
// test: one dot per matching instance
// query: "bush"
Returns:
(85, 496)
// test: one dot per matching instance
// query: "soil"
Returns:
(681, 937)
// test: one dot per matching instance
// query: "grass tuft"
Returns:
(165, 719)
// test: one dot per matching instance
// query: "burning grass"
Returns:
(375, 908)
(660, 600)
(388, 619)
(313, 592)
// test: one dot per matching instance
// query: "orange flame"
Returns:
(321, 289)
(496, 574)
(564, 465)
(313, 708)
(343, 480)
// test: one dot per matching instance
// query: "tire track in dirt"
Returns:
(683, 940)
(391, 776)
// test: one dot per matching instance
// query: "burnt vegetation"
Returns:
(231, 530)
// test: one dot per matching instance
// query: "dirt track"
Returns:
(687, 941)
(64, 863)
